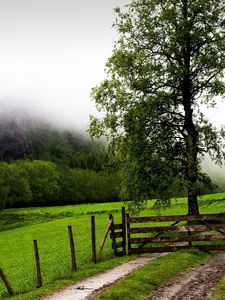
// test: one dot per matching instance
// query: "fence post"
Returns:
(113, 234)
(128, 235)
(93, 239)
(189, 223)
(38, 266)
(7, 283)
(72, 249)
(124, 229)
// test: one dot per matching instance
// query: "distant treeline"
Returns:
(23, 138)
(38, 182)
(44, 165)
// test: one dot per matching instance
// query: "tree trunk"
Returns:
(193, 208)
(192, 165)
(191, 135)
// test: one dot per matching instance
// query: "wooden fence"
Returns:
(146, 235)
(203, 231)
(95, 259)
(118, 234)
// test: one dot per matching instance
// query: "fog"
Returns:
(52, 53)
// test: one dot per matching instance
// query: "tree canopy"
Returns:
(168, 60)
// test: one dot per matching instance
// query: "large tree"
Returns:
(169, 59)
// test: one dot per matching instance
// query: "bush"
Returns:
(87, 186)
(19, 186)
(4, 187)
(44, 180)
(32, 183)
(14, 186)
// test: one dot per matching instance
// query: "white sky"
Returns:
(53, 52)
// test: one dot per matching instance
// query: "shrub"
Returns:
(19, 186)
(44, 180)
(4, 187)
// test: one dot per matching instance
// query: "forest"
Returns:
(42, 164)
(45, 165)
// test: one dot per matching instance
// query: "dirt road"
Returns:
(86, 288)
(194, 284)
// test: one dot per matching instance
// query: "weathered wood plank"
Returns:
(38, 264)
(128, 234)
(208, 217)
(112, 235)
(173, 239)
(117, 226)
(175, 248)
(182, 228)
(72, 249)
(119, 253)
(6, 283)
(93, 240)
(118, 234)
(119, 244)
(123, 215)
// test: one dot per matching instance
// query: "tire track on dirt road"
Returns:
(193, 284)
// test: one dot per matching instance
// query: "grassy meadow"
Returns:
(19, 227)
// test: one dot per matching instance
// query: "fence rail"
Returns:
(206, 232)
(182, 228)
(208, 217)
(168, 238)
(175, 248)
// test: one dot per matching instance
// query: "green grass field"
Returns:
(18, 228)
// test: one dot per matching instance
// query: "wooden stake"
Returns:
(38, 266)
(124, 229)
(7, 283)
(104, 238)
(93, 239)
(189, 233)
(128, 235)
(72, 249)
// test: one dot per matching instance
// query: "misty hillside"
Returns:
(216, 172)
(25, 137)
(42, 164)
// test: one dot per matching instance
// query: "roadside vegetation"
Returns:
(219, 291)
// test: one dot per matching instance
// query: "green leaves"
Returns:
(169, 57)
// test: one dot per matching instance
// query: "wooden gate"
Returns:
(118, 234)
(203, 231)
